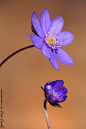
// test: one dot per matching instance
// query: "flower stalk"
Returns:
(46, 114)
(14, 53)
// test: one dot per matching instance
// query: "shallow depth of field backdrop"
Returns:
(22, 76)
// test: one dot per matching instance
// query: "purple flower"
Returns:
(55, 92)
(49, 38)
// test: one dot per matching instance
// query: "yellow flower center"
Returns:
(51, 40)
(55, 94)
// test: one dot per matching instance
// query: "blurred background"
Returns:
(22, 76)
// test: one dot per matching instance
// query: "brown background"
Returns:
(22, 76)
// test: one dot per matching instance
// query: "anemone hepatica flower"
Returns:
(49, 38)
(55, 92)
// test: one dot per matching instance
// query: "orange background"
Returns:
(22, 76)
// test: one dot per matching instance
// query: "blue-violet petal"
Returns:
(61, 92)
(46, 51)
(66, 37)
(64, 98)
(45, 20)
(49, 92)
(36, 25)
(37, 41)
(63, 57)
(48, 87)
(53, 99)
(56, 25)
(58, 85)
(53, 83)
(54, 62)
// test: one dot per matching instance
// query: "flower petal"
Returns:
(45, 20)
(64, 98)
(52, 99)
(48, 93)
(56, 25)
(59, 99)
(65, 90)
(58, 85)
(46, 51)
(47, 87)
(62, 92)
(37, 41)
(36, 25)
(63, 57)
(54, 62)
(53, 83)
(66, 37)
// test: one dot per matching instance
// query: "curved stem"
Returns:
(46, 114)
(14, 53)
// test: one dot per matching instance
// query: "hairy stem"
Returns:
(46, 115)
(14, 53)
